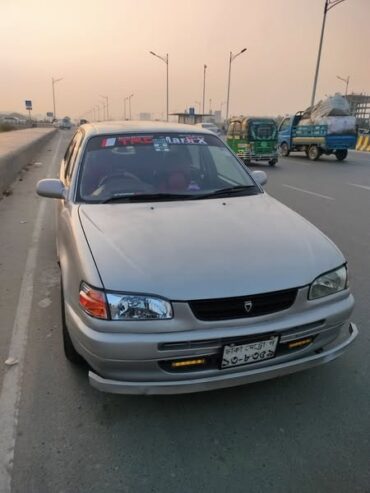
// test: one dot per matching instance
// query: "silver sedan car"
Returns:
(179, 273)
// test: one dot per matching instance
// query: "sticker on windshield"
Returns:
(161, 145)
(109, 142)
(189, 139)
(131, 140)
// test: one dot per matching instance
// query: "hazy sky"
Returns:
(102, 47)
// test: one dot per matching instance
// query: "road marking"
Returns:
(309, 192)
(359, 186)
(12, 383)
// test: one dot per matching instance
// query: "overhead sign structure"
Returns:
(28, 104)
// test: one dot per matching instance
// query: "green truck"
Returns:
(254, 139)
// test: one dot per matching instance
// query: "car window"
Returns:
(285, 124)
(157, 163)
(237, 129)
(69, 152)
(72, 159)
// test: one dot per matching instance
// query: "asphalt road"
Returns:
(308, 432)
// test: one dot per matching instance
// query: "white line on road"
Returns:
(12, 383)
(359, 186)
(310, 193)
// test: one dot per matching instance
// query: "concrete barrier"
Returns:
(17, 149)
(363, 143)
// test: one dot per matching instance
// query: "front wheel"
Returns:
(70, 353)
(314, 153)
(284, 149)
(272, 162)
(341, 154)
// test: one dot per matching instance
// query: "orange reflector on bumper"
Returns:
(300, 343)
(188, 362)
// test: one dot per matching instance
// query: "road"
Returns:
(308, 432)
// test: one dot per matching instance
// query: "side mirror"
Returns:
(51, 188)
(260, 177)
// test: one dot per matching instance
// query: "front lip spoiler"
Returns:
(224, 380)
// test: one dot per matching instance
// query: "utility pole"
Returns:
(165, 60)
(204, 87)
(231, 59)
(329, 4)
(53, 82)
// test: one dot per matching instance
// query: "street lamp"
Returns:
(231, 59)
(53, 82)
(107, 104)
(346, 81)
(124, 109)
(129, 105)
(165, 60)
(204, 86)
(329, 4)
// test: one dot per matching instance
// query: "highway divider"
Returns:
(17, 149)
(363, 143)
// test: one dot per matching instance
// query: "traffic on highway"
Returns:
(184, 249)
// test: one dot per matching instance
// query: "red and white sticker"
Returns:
(109, 142)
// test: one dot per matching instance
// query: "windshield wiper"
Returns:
(146, 197)
(226, 192)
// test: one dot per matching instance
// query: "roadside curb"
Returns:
(14, 161)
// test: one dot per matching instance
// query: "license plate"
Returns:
(245, 354)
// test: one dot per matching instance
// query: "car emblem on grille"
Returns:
(248, 305)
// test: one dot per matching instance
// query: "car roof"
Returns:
(133, 126)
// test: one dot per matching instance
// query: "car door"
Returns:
(284, 134)
(66, 171)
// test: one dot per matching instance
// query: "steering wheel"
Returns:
(123, 182)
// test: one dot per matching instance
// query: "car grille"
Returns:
(243, 306)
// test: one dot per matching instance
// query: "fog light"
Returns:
(300, 343)
(188, 362)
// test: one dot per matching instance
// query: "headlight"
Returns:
(138, 307)
(329, 283)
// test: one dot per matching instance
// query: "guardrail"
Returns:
(363, 143)
(17, 149)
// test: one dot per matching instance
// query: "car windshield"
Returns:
(160, 167)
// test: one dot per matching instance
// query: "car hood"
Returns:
(209, 248)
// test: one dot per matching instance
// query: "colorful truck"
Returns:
(314, 140)
(254, 139)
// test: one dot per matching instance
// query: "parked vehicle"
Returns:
(209, 126)
(179, 273)
(314, 140)
(253, 139)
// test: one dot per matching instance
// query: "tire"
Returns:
(284, 149)
(314, 153)
(272, 162)
(341, 154)
(69, 351)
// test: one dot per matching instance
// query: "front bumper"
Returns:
(331, 352)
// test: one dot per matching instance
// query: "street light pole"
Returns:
(53, 82)
(204, 87)
(107, 104)
(129, 105)
(165, 60)
(231, 59)
(199, 105)
(346, 81)
(124, 109)
(329, 4)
